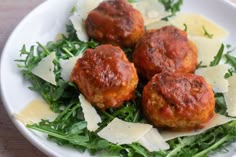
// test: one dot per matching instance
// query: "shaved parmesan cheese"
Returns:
(45, 69)
(79, 27)
(121, 132)
(215, 77)
(207, 48)
(90, 114)
(153, 141)
(195, 24)
(35, 111)
(158, 24)
(215, 121)
(83, 7)
(67, 67)
(151, 10)
(230, 96)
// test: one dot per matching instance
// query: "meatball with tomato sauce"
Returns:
(115, 22)
(164, 49)
(105, 76)
(178, 101)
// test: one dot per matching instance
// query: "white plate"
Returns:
(42, 25)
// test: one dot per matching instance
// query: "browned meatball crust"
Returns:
(165, 49)
(105, 76)
(115, 22)
(178, 101)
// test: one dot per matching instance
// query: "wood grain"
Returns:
(12, 143)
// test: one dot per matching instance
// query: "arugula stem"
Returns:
(174, 151)
(218, 56)
(59, 117)
(44, 48)
(68, 52)
(231, 60)
(206, 33)
(214, 146)
(79, 140)
(136, 116)
(186, 141)
(70, 112)
(109, 115)
(54, 134)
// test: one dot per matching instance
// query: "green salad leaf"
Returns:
(206, 33)
(218, 56)
(172, 6)
(231, 60)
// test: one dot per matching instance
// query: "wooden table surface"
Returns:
(12, 143)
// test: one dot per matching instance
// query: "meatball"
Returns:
(178, 101)
(164, 49)
(105, 76)
(115, 22)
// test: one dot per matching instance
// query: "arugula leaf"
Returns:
(220, 106)
(231, 60)
(206, 33)
(200, 65)
(201, 145)
(138, 149)
(218, 56)
(73, 9)
(185, 27)
(71, 32)
(229, 73)
(228, 46)
(173, 6)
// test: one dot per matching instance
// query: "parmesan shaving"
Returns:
(158, 24)
(207, 49)
(230, 96)
(90, 114)
(45, 69)
(35, 111)
(83, 7)
(215, 121)
(67, 67)
(151, 10)
(121, 132)
(153, 141)
(215, 77)
(194, 24)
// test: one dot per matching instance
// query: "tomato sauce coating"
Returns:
(105, 76)
(178, 101)
(115, 22)
(165, 49)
